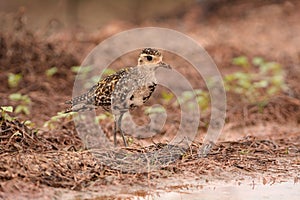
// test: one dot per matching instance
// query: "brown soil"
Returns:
(41, 163)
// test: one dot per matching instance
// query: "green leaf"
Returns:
(75, 69)
(191, 105)
(272, 67)
(108, 72)
(50, 72)
(81, 69)
(244, 151)
(241, 61)
(203, 102)
(229, 78)
(60, 115)
(14, 80)
(151, 110)
(241, 75)
(277, 80)
(130, 140)
(22, 109)
(15, 97)
(258, 61)
(26, 99)
(26, 110)
(48, 124)
(187, 95)
(244, 83)
(167, 96)
(238, 90)
(199, 92)
(19, 97)
(261, 84)
(19, 109)
(179, 101)
(8, 117)
(7, 108)
(29, 123)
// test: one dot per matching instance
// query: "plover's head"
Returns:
(150, 56)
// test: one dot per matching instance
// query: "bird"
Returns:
(124, 90)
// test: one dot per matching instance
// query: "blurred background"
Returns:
(56, 35)
(93, 14)
(209, 21)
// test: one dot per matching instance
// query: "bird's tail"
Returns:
(79, 108)
(79, 99)
(80, 103)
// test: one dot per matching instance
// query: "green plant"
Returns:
(130, 140)
(24, 102)
(187, 98)
(14, 80)
(241, 61)
(81, 69)
(51, 124)
(265, 80)
(167, 96)
(151, 110)
(4, 112)
(244, 151)
(108, 71)
(200, 96)
(29, 123)
(203, 99)
(50, 72)
(7, 109)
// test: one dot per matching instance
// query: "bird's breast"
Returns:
(141, 95)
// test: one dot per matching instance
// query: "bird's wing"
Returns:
(99, 94)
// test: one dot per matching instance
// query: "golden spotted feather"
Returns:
(98, 95)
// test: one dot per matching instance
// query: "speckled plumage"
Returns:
(123, 90)
(98, 95)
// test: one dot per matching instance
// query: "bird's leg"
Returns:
(120, 129)
(115, 132)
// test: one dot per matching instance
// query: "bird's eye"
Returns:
(149, 58)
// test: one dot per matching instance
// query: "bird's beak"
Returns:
(165, 65)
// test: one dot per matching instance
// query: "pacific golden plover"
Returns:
(123, 90)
